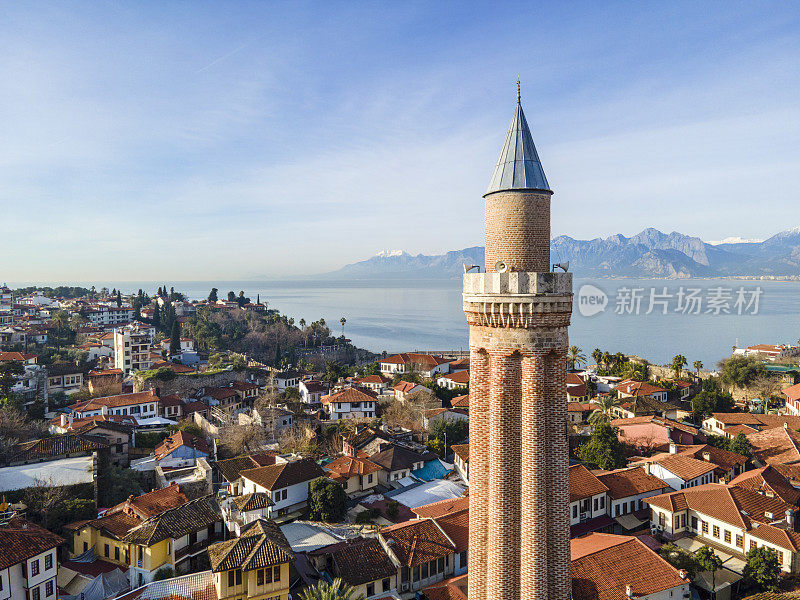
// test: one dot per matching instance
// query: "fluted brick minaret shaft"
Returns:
(518, 312)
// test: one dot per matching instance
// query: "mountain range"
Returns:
(649, 254)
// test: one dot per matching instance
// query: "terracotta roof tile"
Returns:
(603, 565)
(462, 451)
(630, 482)
(261, 545)
(21, 539)
(283, 475)
(768, 480)
(348, 466)
(417, 542)
(582, 484)
(350, 394)
(442, 507)
(361, 561)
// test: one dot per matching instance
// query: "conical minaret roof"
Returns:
(518, 167)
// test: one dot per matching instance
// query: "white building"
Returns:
(426, 365)
(350, 403)
(286, 483)
(109, 315)
(142, 405)
(28, 561)
(132, 349)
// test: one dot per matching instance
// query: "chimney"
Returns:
(63, 420)
(683, 574)
(707, 456)
(790, 517)
(104, 409)
(673, 448)
(629, 591)
(786, 426)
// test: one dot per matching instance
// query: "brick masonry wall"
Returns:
(517, 229)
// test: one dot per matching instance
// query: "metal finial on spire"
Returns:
(518, 95)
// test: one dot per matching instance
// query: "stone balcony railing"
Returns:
(518, 282)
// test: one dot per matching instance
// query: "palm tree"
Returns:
(303, 329)
(576, 355)
(604, 411)
(60, 320)
(342, 321)
(698, 364)
(338, 590)
(678, 363)
(597, 356)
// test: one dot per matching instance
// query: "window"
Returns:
(727, 535)
(34, 567)
(260, 577)
(595, 505)
(370, 589)
(238, 577)
(116, 552)
(369, 478)
(231, 581)
(662, 520)
(616, 510)
(694, 523)
(780, 557)
(753, 544)
(268, 575)
(48, 562)
(462, 559)
(48, 588)
(704, 525)
(386, 584)
(715, 531)
(85, 546)
(276, 573)
(574, 511)
(36, 595)
(285, 493)
(739, 541)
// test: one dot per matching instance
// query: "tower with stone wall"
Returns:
(518, 311)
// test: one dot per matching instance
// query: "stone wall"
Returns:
(186, 385)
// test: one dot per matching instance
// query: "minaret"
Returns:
(518, 311)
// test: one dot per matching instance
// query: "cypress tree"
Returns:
(175, 342)
(119, 299)
(156, 318)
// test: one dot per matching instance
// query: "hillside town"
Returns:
(140, 460)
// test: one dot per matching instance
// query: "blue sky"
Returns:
(192, 140)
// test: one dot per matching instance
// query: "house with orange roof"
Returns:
(356, 474)
(637, 389)
(617, 567)
(377, 383)
(434, 415)
(650, 431)
(142, 405)
(350, 403)
(588, 500)
(729, 424)
(733, 518)
(775, 446)
(792, 394)
(461, 460)
(404, 389)
(425, 365)
(576, 389)
(454, 381)
(770, 482)
(421, 551)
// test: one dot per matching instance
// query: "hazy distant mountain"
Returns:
(650, 253)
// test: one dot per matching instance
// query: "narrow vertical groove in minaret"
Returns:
(478, 471)
(504, 450)
(558, 473)
(533, 548)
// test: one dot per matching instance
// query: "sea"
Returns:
(702, 319)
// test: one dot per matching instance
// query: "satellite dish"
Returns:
(500, 266)
(563, 266)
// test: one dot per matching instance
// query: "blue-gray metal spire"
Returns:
(518, 167)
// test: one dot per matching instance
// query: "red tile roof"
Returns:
(345, 467)
(116, 401)
(460, 401)
(768, 481)
(442, 507)
(583, 484)
(793, 392)
(407, 358)
(417, 542)
(778, 445)
(603, 565)
(152, 503)
(637, 388)
(21, 539)
(350, 394)
(178, 439)
(630, 482)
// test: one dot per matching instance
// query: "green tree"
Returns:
(337, 590)
(709, 561)
(698, 365)
(710, 400)
(576, 357)
(597, 356)
(119, 483)
(741, 445)
(157, 318)
(762, 570)
(740, 371)
(327, 501)
(9, 372)
(680, 558)
(605, 407)
(212, 297)
(119, 299)
(342, 321)
(231, 296)
(333, 371)
(446, 432)
(677, 364)
(175, 338)
(603, 450)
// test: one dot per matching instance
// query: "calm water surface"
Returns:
(426, 315)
